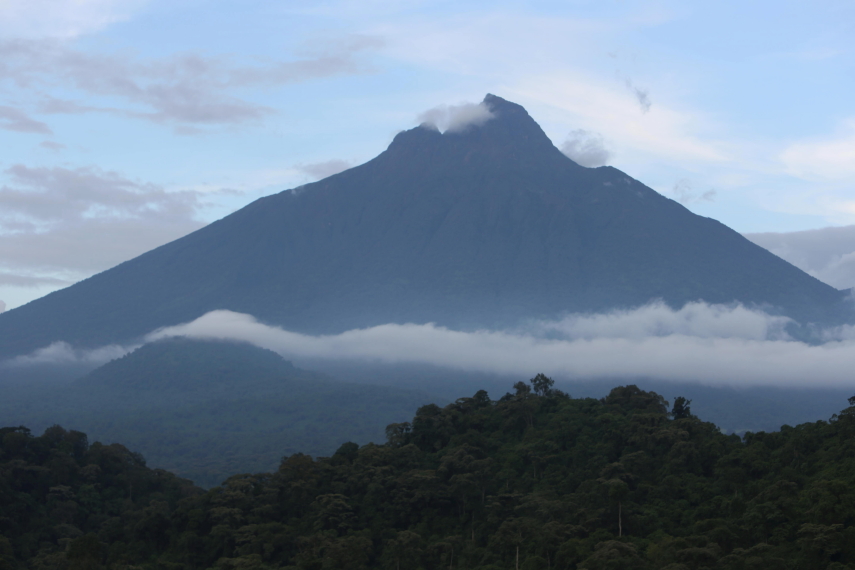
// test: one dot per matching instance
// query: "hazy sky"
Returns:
(127, 123)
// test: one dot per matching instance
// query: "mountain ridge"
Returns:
(481, 227)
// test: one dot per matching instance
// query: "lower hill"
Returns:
(206, 410)
(534, 480)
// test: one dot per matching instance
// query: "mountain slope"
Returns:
(477, 228)
(207, 410)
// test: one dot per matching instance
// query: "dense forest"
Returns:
(208, 410)
(535, 479)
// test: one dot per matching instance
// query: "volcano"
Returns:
(485, 226)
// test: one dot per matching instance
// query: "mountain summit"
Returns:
(482, 226)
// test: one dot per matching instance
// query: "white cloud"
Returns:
(586, 148)
(456, 118)
(2, 306)
(708, 344)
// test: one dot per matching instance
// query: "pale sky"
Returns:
(125, 124)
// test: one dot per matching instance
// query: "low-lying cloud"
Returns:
(828, 253)
(59, 353)
(456, 118)
(586, 148)
(717, 345)
(709, 344)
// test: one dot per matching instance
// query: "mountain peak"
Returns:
(508, 134)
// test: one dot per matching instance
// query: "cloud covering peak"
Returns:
(456, 118)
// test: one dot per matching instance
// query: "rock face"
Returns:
(479, 227)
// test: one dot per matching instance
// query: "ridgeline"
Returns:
(536, 479)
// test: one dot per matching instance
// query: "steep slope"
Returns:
(207, 410)
(481, 227)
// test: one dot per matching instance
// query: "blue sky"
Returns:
(125, 124)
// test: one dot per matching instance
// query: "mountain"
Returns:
(481, 227)
(207, 410)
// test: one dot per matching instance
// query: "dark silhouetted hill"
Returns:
(207, 410)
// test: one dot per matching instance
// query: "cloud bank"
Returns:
(456, 118)
(586, 148)
(716, 345)
(828, 253)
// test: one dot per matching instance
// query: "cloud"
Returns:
(2, 307)
(456, 118)
(685, 194)
(184, 89)
(62, 353)
(62, 18)
(51, 145)
(828, 253)
(709, 344)
(319, 170)
(830, 158)
(28, 281)
(586, 148)
(81, 220)
(12, 119)
(642, 96)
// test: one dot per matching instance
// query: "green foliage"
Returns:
(534, 480)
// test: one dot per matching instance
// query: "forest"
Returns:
(534, 480)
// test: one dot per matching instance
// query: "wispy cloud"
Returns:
(12, 119)
(319, 170)
(685, 193)
(823, 158)
(62, 18)
(180, 90)
(642, 96)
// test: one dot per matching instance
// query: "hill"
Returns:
(536, 479)
(475, 228)
(206, 410)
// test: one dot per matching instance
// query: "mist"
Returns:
(710, 344)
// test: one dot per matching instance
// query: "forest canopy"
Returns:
(535, 479)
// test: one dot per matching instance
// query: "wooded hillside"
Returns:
(534, 480)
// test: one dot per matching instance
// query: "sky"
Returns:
(125, 124)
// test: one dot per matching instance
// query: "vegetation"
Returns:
(534, 480)
(207, 410)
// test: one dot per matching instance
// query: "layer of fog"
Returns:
(709, 344)
(456, 118)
